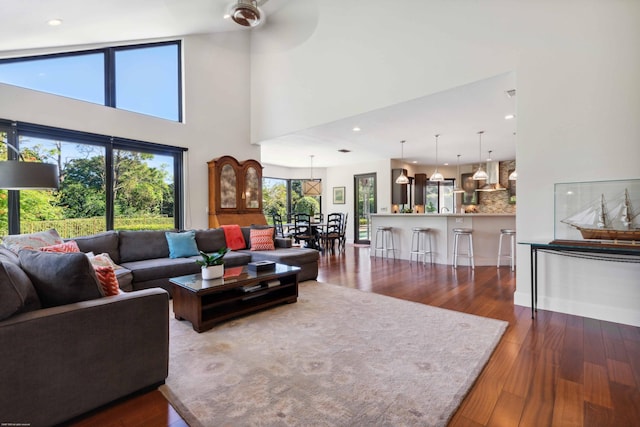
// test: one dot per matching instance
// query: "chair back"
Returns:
(277, 223)
(301, 224)
(343, 230)
(334, 224)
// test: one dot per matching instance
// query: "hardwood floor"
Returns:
(556, 370)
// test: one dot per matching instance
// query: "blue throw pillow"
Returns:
(182, 244)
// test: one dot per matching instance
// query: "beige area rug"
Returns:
(337, 357)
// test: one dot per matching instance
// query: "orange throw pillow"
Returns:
(233, 237)
(107, 278)
(262, 239)
(66, 247)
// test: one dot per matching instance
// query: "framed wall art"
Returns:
(338, 195)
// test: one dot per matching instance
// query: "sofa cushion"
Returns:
(142, 245)
(100, 243)
(161, 268)
(262, 240)
(291, 256)
(8, 255)
(125, 279)
(234, 237)
(15, 242)
(17, 294)
(210, 240)
(60, 278)
(66, 247)
(182, 245)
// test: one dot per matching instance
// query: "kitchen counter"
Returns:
(486, 233)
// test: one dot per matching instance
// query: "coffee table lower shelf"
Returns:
(206, 303)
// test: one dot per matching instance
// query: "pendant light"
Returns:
(480, 174)
(402, 179)
(513, 176)
(437, 176)
(457, 188)
(312, 187)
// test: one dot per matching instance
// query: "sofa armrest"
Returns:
(60, 362)
(283, 242)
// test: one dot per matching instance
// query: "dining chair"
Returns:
(331, 232)
(303, 231)
(277, 223)
(343, 232)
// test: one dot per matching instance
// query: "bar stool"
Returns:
(457, 233)
(384, 241)
(419, 239)
(512, 235)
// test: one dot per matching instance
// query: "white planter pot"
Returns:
(212, 272)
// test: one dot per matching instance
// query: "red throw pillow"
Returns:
(107, 278)
(262, 239)
(66, 247)
(233, 237)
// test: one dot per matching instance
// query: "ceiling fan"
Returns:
(247, 12)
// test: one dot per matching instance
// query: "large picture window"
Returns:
(141, 78)
(284, 197)
(105, 183)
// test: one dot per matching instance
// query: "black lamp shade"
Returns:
(17, 175)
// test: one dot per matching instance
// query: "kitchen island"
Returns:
(486, 233)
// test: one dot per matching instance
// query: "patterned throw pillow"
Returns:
(262, 239)
(102, 260)
(66, 247)
(33, 241)
(107, 278)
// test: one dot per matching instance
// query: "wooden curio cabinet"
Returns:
(235, 192)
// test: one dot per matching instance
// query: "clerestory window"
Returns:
(143, 78)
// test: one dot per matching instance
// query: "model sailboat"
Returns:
(599, 222)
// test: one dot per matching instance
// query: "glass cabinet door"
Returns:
(252, 188)
(228, 187)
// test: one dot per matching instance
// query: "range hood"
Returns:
(493, 182)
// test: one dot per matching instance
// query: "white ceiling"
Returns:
(457, 114)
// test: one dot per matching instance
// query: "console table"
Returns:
(602, 251)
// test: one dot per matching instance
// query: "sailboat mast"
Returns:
(602, 218)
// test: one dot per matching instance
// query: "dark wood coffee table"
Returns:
(207, 302)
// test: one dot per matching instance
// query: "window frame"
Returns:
(109, 54)
(16, 129)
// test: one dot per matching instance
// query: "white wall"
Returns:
(216, 112)
(578, 102)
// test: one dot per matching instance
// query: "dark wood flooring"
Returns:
(556, 370)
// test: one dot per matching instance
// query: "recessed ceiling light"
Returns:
(344, 150)
(356, 129)
(510, 116)
(54, 22)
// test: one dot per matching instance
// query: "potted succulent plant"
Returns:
(212, 264)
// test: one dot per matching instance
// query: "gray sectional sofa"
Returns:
(144, 255)
(61, 360)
